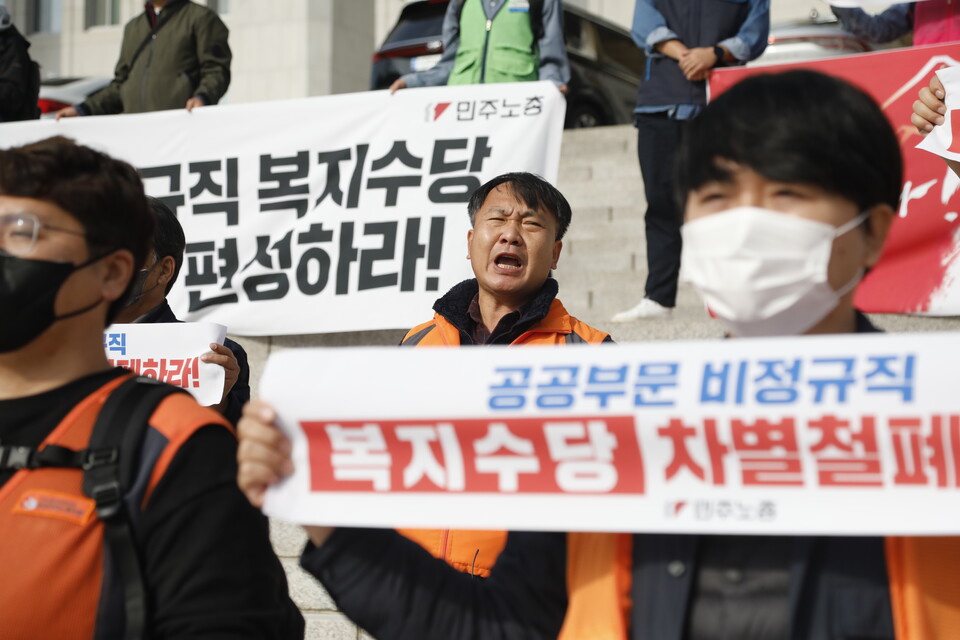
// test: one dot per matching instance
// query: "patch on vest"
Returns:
(519, 5)
(51, 504)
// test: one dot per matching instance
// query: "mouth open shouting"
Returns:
(508, 262)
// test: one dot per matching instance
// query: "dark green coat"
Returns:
(187, 57)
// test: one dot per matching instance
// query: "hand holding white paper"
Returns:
(943, 140)
(170, 351)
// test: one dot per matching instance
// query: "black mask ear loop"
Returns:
(82, 310)
(157, 284)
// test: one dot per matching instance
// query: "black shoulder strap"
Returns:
(153, 32)
(108, 471)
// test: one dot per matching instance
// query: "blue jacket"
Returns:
(740, 26)
(893, 23)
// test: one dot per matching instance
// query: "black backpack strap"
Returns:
(113, 456)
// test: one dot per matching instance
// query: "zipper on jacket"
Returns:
(483, 59)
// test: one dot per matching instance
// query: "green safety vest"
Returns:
(498, 50)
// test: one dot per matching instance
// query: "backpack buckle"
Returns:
(94, 458)
(108, 498)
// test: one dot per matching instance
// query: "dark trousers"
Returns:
(658, 138)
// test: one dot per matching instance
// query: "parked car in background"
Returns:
(605, 65)
(57, 93)
(812, 39)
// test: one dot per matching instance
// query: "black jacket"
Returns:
(17, 95)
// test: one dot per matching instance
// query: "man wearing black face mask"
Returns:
(193, 559)
(148, 304)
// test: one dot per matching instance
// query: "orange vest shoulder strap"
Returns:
(177, 418)
(588, 333)
(436, 333)
(924, 586)
(598, 586)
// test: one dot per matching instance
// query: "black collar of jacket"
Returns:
(863, 324)
(160, 313)
(455, 303)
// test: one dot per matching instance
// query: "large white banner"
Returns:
(170, 351)
(338, 213)
(841, 435)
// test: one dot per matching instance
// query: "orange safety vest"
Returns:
(53, 548)
(924, 578)
(476, 552)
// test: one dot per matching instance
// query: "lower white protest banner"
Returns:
(335, 213)
(844, 435)
(170, 352)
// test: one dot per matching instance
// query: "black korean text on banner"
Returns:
(325, 255)
(271, 194)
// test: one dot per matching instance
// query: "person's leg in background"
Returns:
(658, 138)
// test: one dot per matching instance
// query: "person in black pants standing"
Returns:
(683, 40)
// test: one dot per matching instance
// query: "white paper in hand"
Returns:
(944, 140)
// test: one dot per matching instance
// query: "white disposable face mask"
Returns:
(762, 272)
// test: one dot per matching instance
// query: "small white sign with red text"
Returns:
(826, 435)
(170, 352)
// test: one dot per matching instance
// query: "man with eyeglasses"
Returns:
(74, 226)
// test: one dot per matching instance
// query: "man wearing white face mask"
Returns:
(789, 185)
(776, 241)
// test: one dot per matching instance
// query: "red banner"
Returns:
(582, 455)
(918, 269)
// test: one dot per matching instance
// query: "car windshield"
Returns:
(419, 21)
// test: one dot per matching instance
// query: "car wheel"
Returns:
(585, 114)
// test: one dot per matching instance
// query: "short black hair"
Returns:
(533, 190)
(168, 238)
(797, 126)
(104, 194)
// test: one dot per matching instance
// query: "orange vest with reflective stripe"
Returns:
(52, 549)
(924, 587)
(924, 578)
(476, 551)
